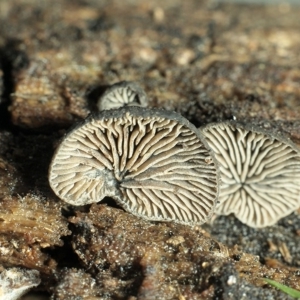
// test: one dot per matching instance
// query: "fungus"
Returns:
(124, 93)
(154, 163)
(15, 282)
(260, 173)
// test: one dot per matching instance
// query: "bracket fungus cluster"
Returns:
(260, 173)
(154, 163)
(158, 166)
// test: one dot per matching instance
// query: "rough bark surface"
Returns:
(205, 60)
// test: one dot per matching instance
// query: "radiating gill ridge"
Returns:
(124, 93)
(153, 162)
(260, 173)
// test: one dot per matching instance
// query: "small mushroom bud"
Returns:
(124, 93)
(154, 163)
(260, 173)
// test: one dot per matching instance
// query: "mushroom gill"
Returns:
(124, 93)
(154, 163)
(260, 173)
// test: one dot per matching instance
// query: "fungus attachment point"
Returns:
(124, 93)
(260, 173)
(152, 162)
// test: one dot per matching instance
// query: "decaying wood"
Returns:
(208, 61)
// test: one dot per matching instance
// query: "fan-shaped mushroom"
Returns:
(260, 173)
(152, 162)
(124, 93)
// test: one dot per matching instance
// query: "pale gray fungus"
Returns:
(154, 163)
(124, 93)
(260, 173)
(15, 282)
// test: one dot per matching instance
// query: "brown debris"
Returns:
(74, 282)
(272, 247)
(15, 252)
(28, 225)
(9, 177)
(42, 97)
(31, 214)
(215, 58)
(1, 83)
(285, 252)
(144, 252)
(155, 262)
(209, 61)
(249, 268)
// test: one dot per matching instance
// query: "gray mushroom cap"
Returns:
(124, 93)
(260, 173)
(154, 163)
